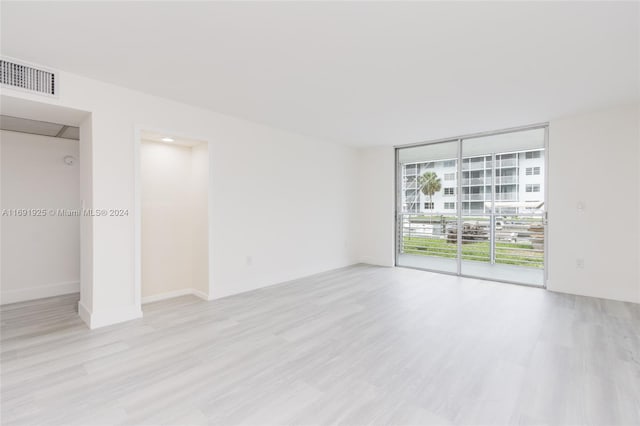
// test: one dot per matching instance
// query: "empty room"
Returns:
(319, 213)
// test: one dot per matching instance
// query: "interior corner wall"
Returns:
(199, 204)
(41, 250)
(594, 161)
(283, 203)
(376, 196)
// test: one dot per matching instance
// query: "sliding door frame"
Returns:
(458, 139)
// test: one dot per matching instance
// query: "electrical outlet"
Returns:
(580, 263)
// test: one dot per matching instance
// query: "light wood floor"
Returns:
(359, 345)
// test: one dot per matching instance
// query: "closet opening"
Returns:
(173, 223)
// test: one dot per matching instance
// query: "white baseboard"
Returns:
(105, 318)
(201, 294)
(84, 313)
(389, 263)
(176, 293)
(39, 292)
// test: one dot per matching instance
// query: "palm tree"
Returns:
(429, 183)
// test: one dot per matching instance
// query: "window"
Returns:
(449, 191)
(449, 176)
(449, 206)
(449, 163)
(411, 169)
(533, 187)
(411, 207)
(533, 171)
(430, 165)
(531, 155)
(428, 206)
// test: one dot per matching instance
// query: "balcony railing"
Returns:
(476, 197)
(500, 196)
(482, 165)
(506, 180)
(478, 165)
(507, 196)
(476, 181)
(518, 241)
(510, 162)
(500, 180)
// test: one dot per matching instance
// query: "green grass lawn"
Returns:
(506, 253)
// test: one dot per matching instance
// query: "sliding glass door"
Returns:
(427, 217)
(475, 206)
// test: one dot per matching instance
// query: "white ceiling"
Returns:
(35, 127)
(361, 73)
(177, 140)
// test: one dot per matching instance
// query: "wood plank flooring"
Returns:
(359, 345)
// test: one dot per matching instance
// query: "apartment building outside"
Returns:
(519, 181)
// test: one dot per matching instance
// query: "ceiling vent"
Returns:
(19, 75)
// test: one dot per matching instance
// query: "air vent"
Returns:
(26, 77)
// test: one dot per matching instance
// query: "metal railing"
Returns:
(476, 165)
(507, 196)
(517, 240)
(506, 180)
(426, 234)
(476, 197)
(476, 181)
(509, 162)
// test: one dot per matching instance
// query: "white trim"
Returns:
(201, 294)
(84, 314)
(210, 293)
(137, 220)
(105, 318)
(175, 293)
(39, 292)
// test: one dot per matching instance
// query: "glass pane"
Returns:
(502, 188)
(427, 212)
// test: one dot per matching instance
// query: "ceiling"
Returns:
(36, 127)
(168, 139)
(380, 73)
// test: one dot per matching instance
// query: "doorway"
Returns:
(40, 198)
(475, 206)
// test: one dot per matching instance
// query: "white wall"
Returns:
(594, 160)
(376, 200)
(40, 254)
(171, 220)
(284, 200)
(286, 209)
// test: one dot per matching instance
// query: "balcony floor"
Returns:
(499, 272)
